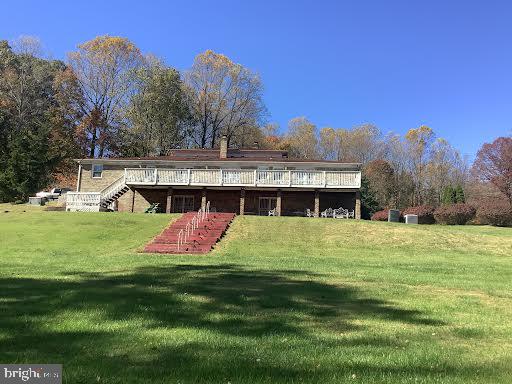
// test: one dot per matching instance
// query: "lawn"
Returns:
(281, 300)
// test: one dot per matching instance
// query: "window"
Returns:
(97, 171)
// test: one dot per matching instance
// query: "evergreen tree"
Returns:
(369, 204)
(449, 196)
(459, 194)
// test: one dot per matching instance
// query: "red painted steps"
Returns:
(201, 241)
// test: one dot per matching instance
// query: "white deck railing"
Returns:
(83, 201)
(243, 177)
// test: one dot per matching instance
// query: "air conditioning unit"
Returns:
(411, 219)
(393, 215)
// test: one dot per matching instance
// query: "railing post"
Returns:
(188, 176)
(221, 177)
(289, 178)
(255, 177)
(156, 176)
(324, 175)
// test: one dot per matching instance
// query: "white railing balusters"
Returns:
(243, 177)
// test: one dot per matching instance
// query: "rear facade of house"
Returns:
(242, 181)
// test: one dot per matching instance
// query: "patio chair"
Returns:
(309, 213)
(340, 213)
(327, 212)
(272, 212)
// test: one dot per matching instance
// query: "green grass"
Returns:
(281, 300)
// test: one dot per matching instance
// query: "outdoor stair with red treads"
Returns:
(202, 240)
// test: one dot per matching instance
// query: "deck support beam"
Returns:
(317, 203)
(357, 213)
(203, 198)
(133, 200)
(278, 203)
(168, 206)
(242, 202)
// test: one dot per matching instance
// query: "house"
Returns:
(243, 181)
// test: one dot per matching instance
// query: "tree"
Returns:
(419, 143)
(158, 112)
(329, 144)
(29, 152)
(397, 155)
(103, 69)
(449, 195)
(459, 194)
(381, 179)
(360, 144)
(369, 203)
(493, 164)
(445, 167)
(302, 138)
(226, 99)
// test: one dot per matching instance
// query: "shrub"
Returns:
(425, 213)
(383, 215)
(454, 214)
(380, 215)
(495, 213)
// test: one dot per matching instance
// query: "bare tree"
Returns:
(493, 165)
(302, 138)
(226, 99)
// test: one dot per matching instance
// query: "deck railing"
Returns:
(243, 177)
(83, 201)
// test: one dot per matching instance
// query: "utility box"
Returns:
(36, 200)
(393, 215)
(411, 219)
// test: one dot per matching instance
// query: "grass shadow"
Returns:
(102, 323)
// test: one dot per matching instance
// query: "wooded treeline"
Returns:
(110, 99)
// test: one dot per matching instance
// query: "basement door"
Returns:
(266, 204)
(182, 203)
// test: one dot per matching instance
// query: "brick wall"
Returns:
(90, 184)
(142, 198)
(224, 201)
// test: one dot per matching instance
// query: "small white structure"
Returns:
(411, 219)
(35, 200)
(83, 202)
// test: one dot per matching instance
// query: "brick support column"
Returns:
(317, 204)
(168, 206)
(357, 212)
(203, 198)
(242, 202)
(278, 203)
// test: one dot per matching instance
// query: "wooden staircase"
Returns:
(113, 192)
(200, 241)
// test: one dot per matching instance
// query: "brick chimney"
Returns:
(223, 147)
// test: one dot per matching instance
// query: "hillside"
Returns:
(280, 300)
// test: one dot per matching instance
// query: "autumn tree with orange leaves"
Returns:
(99, 84)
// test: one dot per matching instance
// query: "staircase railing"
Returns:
(116, 186)
(192, 225)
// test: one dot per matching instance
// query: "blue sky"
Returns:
(396, 64)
